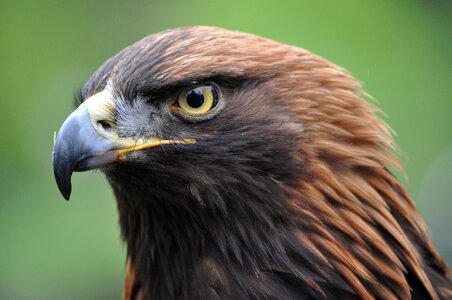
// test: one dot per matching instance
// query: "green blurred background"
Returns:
(53, 249)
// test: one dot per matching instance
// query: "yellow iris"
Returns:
(196, 101)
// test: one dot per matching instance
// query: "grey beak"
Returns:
(79, 147)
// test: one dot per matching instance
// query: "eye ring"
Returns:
(197, 103)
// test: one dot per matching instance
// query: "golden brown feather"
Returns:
(358, 233)
(351, 206)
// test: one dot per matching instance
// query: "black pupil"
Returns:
(195, 98)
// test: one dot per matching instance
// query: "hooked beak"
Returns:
(89, 139)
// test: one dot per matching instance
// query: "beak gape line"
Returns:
(82, 143)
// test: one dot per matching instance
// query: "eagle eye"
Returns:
(197, 101)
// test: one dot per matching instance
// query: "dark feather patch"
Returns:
(286, 193)
(78, 97)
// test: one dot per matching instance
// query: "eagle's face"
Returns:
(241, 167)
(180, 110)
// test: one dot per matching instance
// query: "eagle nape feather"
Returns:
(244, 168)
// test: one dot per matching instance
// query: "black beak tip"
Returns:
(63, 179)
(66, 195)
(62, 169)
(66, 191)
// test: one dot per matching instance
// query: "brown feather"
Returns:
(351, 212)
(132, 286)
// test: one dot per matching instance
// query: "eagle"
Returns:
(244, 168)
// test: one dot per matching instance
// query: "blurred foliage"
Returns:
(52, 249)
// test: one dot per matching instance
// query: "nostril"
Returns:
(104, 125)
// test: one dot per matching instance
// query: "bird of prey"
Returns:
(244, 168)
